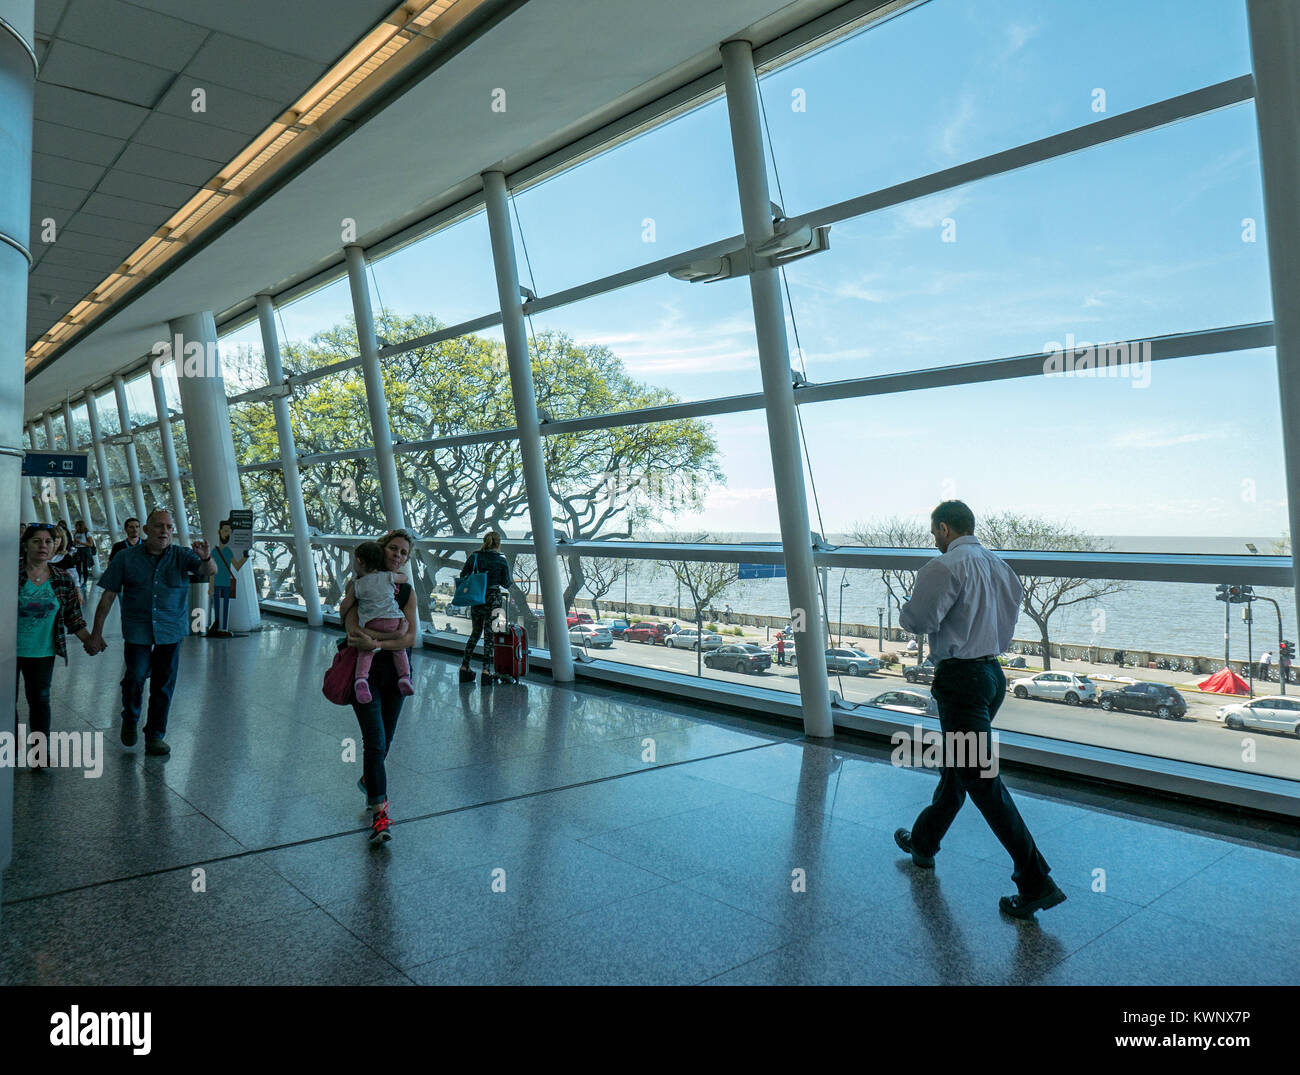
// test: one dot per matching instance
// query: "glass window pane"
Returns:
(642, 346)
(447, 276)
(1067, 462)
(243, 363)
(949, 82)
(670, 189)
(458, 386)
(1149, 247)
(464, 490)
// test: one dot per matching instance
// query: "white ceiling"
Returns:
(117, 148)
(567, 66)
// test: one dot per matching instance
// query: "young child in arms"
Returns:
(377, 611)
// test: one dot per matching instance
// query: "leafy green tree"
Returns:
(599, 478)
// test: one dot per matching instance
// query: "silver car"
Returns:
(589, 635)
(690, 638)
(917, 703)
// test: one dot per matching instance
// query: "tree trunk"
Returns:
(1047, 648)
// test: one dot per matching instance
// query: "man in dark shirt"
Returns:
(132, 529)
(153, 579)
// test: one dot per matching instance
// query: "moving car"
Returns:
(918, 703)
(614, 627)
(690, 638)
(646, 632)
(1158, 698)
(1068, 687)
(588, 634)
(739, 657)
(1272, 713)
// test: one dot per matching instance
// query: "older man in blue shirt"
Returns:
(967, 601)
(153, 579)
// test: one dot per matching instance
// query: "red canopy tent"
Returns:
(1224, 681)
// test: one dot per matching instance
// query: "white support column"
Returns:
(101, 465)
(17, 86)
(1275, 57)
(169, 458)
(385, 463)
(212, 448)
(44, 493)
(82, 500)
(58, 482)
(303, 560)
(132, 462)
(778, 386)
(530, 438)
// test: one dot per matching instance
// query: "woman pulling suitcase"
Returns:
(496, 582)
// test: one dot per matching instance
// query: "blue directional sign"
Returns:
(762, 571)
(54, 464)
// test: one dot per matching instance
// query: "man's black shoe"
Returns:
(1019, 906)
(156, 745)
(904, 840)
(128, 734)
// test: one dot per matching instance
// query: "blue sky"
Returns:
(1141, 236)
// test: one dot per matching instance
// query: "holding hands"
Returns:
(95, 644)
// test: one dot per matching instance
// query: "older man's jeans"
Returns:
(968, 694)
(160, 664)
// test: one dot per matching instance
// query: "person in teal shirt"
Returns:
(223, 582)
(49, 607)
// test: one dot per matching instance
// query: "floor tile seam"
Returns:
(542, 924)
(351, 832)
(362, 941)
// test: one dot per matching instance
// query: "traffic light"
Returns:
(1286, 652)
(1221, 591)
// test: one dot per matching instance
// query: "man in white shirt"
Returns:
(1265, 662)
(967, 601)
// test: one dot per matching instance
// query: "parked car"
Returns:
(690, 638)
(646, 632)
(575, 618)
(849, 661)
(921, 673)
(739, 657)
(1068, 687)
(918, 703)
(1158, 698)
(1273, 713)
(614, 627)
(588, 634)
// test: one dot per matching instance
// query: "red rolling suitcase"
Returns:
(510, 653)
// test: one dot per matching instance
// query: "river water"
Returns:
(1163, 617)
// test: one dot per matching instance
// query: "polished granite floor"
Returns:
(548, 835)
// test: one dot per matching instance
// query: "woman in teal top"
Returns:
(48, 608)
(223, 582)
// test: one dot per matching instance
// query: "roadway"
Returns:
(1199, 737)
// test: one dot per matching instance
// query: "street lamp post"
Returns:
(844, 585)
(880, 629)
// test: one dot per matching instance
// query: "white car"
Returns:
(589, 634)
(1068, 687)
(689, 638)
(1272, 713)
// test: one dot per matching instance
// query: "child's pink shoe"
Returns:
(362, 690)
(404, 686)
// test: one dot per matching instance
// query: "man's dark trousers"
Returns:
(968, 694)
(160, 664)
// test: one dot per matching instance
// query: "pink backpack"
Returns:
(340, 675)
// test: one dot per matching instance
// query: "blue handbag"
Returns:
(472, 589)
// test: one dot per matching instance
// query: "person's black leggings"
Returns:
(36, 672)
(480, 620)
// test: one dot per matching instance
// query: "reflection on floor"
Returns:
(560, 835)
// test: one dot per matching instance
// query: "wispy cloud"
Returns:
(1148, 439)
